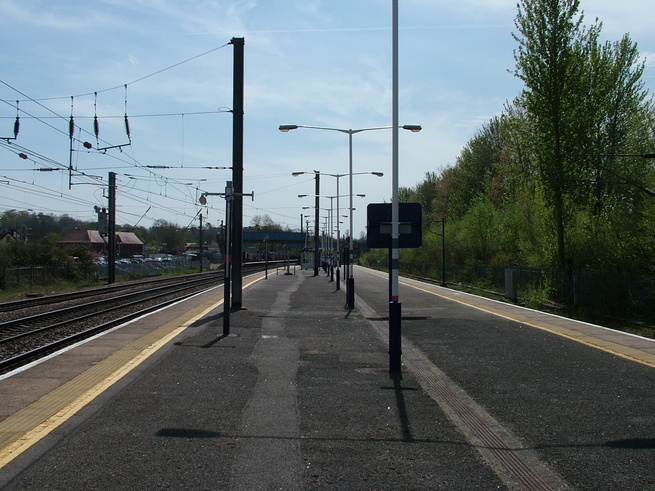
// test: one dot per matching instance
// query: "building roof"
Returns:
(93, 237)
(82, 237)
(9, 236)
(128, 238)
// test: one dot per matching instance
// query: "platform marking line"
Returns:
(25, 428)
(626, 352)
(616, 349)
(55, 408)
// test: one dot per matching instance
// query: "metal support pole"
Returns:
(237, 169)
(317, 176)
(443, 251)
(338, 239)
(111, 230)
(229, 197)
(350, 285)
(201, 239)
(395, 337)
(229, 246)
(395, 308)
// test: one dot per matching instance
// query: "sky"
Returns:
(167, 65)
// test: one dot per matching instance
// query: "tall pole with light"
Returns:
(350, 290)
(338, 177)
(317, 175)
(395, 315)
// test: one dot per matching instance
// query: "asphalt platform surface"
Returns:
(299, 396)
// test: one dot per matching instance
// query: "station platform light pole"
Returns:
(350, 284)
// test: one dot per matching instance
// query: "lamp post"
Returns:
(316, 229)
(329, 239)
(266, 256)
(338, 177)
(328, 210)
(395, 317)
(350, 291)
(443, 249)
(317, 177)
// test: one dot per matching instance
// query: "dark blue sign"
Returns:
(378, 225)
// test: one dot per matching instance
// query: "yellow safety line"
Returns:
(617, 349)
(23, 429)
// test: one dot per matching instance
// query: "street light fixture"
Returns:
(350, 291)
(338, 177)
(331, 211)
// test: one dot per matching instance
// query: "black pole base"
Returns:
(226, 308)
(395, 336)
(338, 279)
(350, 294)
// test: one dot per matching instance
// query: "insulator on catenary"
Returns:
(96, 125)
(127, 129)
(17, 122)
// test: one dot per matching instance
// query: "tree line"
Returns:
(162, 236)
(37, 234)
(562, 177)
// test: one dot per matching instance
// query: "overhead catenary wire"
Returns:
(116, 116)
(166, 185)
(140, 79)
(135, 163)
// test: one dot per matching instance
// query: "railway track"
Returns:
(33, 328)
(117, 288)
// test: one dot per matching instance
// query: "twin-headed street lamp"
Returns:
(338, 178)
(350, 291)
(338, 222)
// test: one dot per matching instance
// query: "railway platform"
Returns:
(299, 396)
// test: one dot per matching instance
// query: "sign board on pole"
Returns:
(378, 225)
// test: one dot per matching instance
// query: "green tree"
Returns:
(425, 193)
(550, 61)
(264, 223)
(584, 103)
(405, 195)
(167, 237)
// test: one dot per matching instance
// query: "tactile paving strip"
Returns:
(516, 465)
